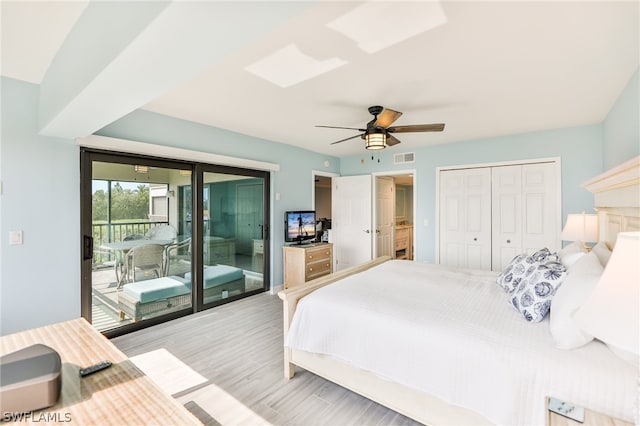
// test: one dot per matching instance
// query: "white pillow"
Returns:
(583, 276)
(602, 251)
(569, 259)
(571, 253)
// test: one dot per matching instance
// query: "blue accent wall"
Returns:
(40, 279)
(579, 148)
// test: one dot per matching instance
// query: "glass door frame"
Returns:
(198, 220)
(89, 155)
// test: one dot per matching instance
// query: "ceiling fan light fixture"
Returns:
(375, 140)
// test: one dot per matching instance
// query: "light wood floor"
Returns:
(238, 348)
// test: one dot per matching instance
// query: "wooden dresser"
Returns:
(306, 262)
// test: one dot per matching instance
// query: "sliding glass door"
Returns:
(163, 238)
(233, 223)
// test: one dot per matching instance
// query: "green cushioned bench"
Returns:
(218, 278)
(169, 294)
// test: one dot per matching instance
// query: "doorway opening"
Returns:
(321, 196)
(394, 214)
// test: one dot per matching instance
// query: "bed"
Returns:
(407, 345)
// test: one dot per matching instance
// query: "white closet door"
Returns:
(465, 218)
(451, 217)
(540, 225)
(524, 211)
(506, 218)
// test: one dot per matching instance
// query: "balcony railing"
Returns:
(109, 232)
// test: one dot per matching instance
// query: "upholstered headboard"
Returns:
(617, 200)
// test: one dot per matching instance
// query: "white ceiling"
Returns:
(483, 68)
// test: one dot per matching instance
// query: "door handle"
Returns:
(367, 231)
(87, 247)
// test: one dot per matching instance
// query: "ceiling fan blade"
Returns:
(392, 140)
(437, 127)
(346, 139)
(387, 118)
(348, 128)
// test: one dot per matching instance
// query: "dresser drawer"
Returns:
(402, 243)
(318, 253)
(317, 269)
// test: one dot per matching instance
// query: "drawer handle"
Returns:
(310, 269)
(310, 256)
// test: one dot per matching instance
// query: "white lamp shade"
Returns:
(581, 227)
(611, 313)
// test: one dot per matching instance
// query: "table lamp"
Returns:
(611, 313)
(581, 227)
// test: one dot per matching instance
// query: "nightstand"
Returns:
(590, 418)
(258, 247)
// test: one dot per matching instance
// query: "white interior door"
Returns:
(385, 215)
(351, 220)
(465, 218)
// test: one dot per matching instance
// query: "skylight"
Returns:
(289, 66)
(377, 25)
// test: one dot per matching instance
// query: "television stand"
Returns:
(305, 262)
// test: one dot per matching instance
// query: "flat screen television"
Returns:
(299, 226)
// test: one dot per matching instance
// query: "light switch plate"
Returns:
(15, 238)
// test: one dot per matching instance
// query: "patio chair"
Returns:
(175, 254)
(162, 232)
(134, 237)
(147, 259)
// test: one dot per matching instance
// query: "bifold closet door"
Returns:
(524, 211)
(506, 216)
(465, 218)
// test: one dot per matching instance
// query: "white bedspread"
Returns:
(452, 334)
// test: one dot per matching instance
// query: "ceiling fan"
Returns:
(378, 134)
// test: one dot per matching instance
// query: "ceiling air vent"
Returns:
(407, 157)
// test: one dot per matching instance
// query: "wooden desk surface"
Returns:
(120, 395)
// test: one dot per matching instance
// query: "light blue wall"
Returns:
(579, 148)
(293, 182)
(39, 280)
(621, 129)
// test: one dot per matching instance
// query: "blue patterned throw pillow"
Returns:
(517, 273)
(533, 299)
